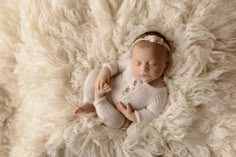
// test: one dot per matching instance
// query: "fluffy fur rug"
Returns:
(47, 48)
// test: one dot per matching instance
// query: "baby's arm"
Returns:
(105, 110)
(110, 69)
(152, 111)
(117, 66)
(142, 115)
(127, 111)
(147, 113)
(103, 78)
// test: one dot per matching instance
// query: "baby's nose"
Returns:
(145, 67)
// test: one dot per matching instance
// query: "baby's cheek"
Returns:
(156, 72)
(134, 71)
(136, 75)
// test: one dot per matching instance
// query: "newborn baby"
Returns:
(132, 89)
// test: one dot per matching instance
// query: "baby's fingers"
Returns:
(107, 88)
(105, 85)
(108, 81)
(101, 84)
(97, 84)
(129, 109)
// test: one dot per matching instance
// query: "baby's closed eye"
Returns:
(138, 63)
(153, 63)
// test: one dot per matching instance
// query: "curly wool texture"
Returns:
(48, 47)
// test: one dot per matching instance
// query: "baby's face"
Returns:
(148, 63)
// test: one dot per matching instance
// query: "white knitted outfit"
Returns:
(147, 101)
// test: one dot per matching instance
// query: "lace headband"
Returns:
(153, 39)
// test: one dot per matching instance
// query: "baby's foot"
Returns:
(86, 108)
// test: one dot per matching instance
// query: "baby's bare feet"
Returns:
(85, 108)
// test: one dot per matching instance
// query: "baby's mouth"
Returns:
(144, 78)
(144, 75)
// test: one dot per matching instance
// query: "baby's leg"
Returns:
(109, 114)
(89, 86)
(88, 93)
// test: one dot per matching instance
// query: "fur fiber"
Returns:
(47, 47)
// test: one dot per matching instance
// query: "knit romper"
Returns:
(146, 100)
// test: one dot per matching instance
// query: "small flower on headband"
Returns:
(154, 39)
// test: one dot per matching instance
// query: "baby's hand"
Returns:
(127, 111)
(101, 91)
(103, 78)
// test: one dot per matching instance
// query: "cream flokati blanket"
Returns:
(48, 47)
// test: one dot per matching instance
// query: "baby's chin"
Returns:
(146, 79)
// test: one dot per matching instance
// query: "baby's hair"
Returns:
(153, 33)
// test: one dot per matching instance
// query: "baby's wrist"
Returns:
(98, 96)
(99, 100)
(133, 117)
(106, 70)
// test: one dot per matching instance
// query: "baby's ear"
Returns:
(167, 63)
(168, 57)
(166, 67)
